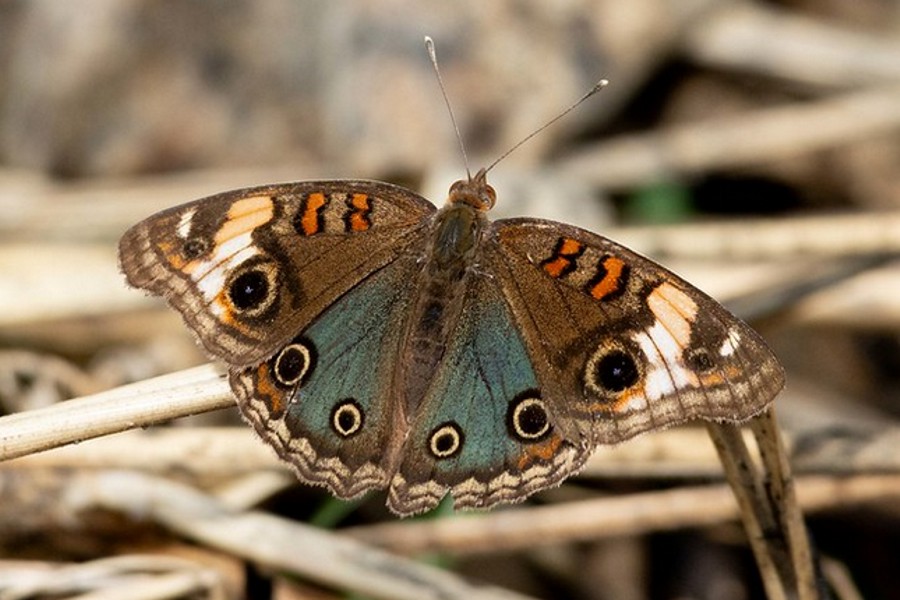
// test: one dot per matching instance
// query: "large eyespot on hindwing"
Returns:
(612, 370)
(526, 418)
(347, 418)
(294, 364)
(252, 288)
(446, 440)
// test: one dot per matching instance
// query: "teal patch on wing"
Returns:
(482, 423)
(344, 406)
(485, 367)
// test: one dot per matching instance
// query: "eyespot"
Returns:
(293, 365)
(253, 290)
(527, 418)
(195, 248)
(347, 418)
(248, 290)
(699, 360)
(616, 371)
(446, 441)
(611, 370)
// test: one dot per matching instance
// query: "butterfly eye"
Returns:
(446, 440)
(488, 197)
(527, 418)
(347, 418)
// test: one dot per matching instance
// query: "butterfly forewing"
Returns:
(621, 344)
(248, 269)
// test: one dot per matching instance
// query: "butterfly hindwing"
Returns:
(482, 432)
(248, 269)
(620, 344)
(325, 400)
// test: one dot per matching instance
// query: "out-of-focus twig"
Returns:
(631, 514)
(145, 403)
(749, 138)
(273, 541)
(751, 37)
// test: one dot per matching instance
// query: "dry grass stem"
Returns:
(840, 580)
(43, 211)
(632, 514)
(635, 49)
(758, 137)
(245, 470)
(851, 303)
(769, 508)
(217, 453)
(130, 577)
(200, 453)
(782, 496)
(763, 533)
(750, 37)
(273, 542)
(141, 404)
(64, 280)
(772, 239)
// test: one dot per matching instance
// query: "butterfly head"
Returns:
(474, 191)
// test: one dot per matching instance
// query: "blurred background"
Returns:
(752, 146)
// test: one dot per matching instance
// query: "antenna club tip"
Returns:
(429, 46)
(599, 86)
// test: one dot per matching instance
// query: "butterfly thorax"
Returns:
(443, 279)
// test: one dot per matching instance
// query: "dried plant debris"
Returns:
(751, 146)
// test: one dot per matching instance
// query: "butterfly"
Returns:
(376, 342)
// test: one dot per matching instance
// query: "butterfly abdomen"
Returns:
(441, 291)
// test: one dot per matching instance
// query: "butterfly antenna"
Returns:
(429, 45)
(596, 88)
